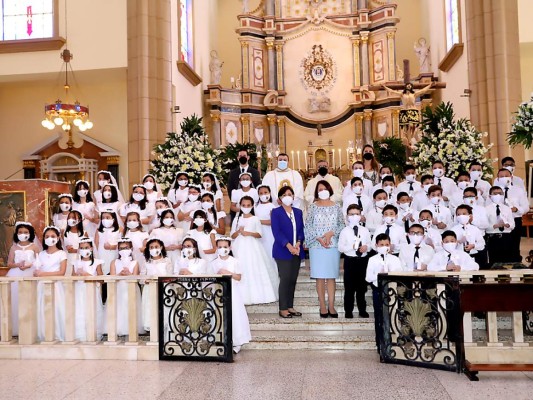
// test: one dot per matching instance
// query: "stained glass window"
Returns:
(186, 31)
(452, 23)
(26, 19)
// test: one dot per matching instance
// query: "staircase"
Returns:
(269, 331)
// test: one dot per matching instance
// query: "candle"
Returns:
(333, 155)
(305, 155)
(340, 159)
(298, 152)
(292, 157)
(348, 158)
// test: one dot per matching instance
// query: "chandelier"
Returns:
(67, 114)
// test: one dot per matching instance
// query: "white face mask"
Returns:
(64, 207)
(246, 210)
(496, 198)
(125, 253)
(475, 175)
(404, 206)
(504, 182)
(155, 252)
(85, 253)
(199, 221)
(388, 189)
(223, 251)
(132, 224)
(183, 182)
(438, 172)
(463, 219)
(449, 247)
(323, 195)
(427, 186)
(416, 239)
(462, 185)
(187, 252)
(354, 220)
(358, 173)
(107, 223)
(192, 197)
(82, 193)
(138, 196)
(207, 205)
(287, 200)
(510, 168)
(383, 250)
(72, 222)
(425, 223)
(102, 183)
(264, 198)
(357, 190)
(469, 201)
(22, 237)
(168, 221)
(106, 195)
(50, 241)
(206, 185)
(435, 200)
(410, 178)
(381, 203)
(283, 164)
(389, 220)
(246, 183)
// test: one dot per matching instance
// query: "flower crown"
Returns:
(51, 227)
(139, 185)
(223, 238)
(65, 195)
(124, 240)
(197, 187)
(164, 210)
(103, 171)
(108, 210)
(82, 181)
(86, 240)
(162, 199)
(245, 173)
(148, 175)
(262, 186)
(182, 173)
(23, 223)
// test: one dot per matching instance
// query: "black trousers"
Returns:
(288, 271)
(355, 285)
(516, 236)
(498, 246)
(481, 258)
(378, 317)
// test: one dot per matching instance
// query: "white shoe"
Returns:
(236, 349)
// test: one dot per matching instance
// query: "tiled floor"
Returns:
(254, 375)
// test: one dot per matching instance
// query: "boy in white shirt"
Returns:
(463, 183)
(358, 170)
(384, 172)
(355, 243)
(432, 236)
(357, 196)
(501, 224)
(374, 217)
(416, 255)
(409, 185)
(406, 215)
(395, 232)
(476, 180)
(509, 164)
(420, 199)
(441, 214)
(447, 184)
(479, 214)
(389, 186)
(470, 236)
(452, 258)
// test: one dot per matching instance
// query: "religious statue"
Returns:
(215, 66)
(422, 51)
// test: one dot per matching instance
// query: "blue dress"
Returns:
(325, 262)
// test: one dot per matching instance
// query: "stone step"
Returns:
(306, 305)
(327, 340)
(311, 322)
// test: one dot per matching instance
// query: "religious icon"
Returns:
(12, 209)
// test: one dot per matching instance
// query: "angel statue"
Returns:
(215, 66)
(422, 51)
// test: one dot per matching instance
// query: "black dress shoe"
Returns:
(348, 315)
(324, 315)
(289, 315)
(363, 314)
(295, 313)
(336, 315)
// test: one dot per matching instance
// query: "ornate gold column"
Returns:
(391, 56)
(359, 127)
(279, 65)
(245, 123)
(282, 134)
(356, 62)
(217, 133)
(364, 58)
(271, 118)
(271, 63)
(245, 58)
(396, 123)
(368, 126)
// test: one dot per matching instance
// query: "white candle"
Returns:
(305, 155)
(340, 159)
(292, 156)
(298, 152)
(333, 155)
(348, 166)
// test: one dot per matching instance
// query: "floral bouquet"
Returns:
(522, 128)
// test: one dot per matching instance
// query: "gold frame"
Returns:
(24, 212)
(47, 216)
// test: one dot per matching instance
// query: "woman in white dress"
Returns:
(106, 178)
(65, 206)
(106, 239)
(153, 192)
(190, 262)
(71, 238)
(134, 231)
(204, 234)
(259, 281)
(87, 265)
(22, 255)
(110, 200)
(52, 261)
(217, 219)
(160, 204)
(225, 264)
(263, 210)
(179, 189)
(140, 205)
(126, 265)
(189, 206)
(169, 235)
(83, 202)
(157, 264)
(245, 189)
(210, 185)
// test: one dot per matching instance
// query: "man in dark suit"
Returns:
(233, 179)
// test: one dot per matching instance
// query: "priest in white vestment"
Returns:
(284, 176)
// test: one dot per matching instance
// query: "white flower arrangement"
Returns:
(522, 128)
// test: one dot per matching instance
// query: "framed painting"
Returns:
(51, 206)
(12, 209)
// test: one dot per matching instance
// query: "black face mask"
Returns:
(368, 156)
(322, 171)
(243, 160)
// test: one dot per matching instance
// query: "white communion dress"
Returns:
(71, 239)
(169, 236)
(107, 256)
(161, 267)
(123, 300)
(263, 212)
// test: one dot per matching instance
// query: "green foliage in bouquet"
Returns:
(522, 128)
(391, 152)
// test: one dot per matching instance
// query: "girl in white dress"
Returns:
(52, 261)
(110, 199)
(225, 264)
(126, 265)
(71, 238)
(87, 265)
(263, 210)
(106, 178)
(179, 190)
(210, 185)
(161, 204)
(217, 219)
(65, 205)
(190, 262)
(169, 234)
(245, 189)
(134, 231)
(106, 239)
(189, 206)
(22, 255)
(259, 281)
(140, 205)
(157, 264)
(83, 202)
(204, 234)
(153, 192)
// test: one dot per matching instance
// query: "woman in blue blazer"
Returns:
(288, 251)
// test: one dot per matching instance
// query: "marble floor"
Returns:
(254, 375)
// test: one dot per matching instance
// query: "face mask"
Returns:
(287, 200)
(425, 223)
(358, 173)
(264, 198)
(72, 222)
(388, 189)
(504, 182)
(462, 185)
(155, 252)
(435, 200)
(469, 201)
(206, 185)
(187, 252)
(438, 172)
(206, 205)
(496, 198)
(475, 175)
(354, 220)
(50, 241)
(64, 206)
(23, 237)
(102, 183)
(138, 196)
(82, 193)
(125, 253)
(246, 183)
(106, 195)
(246, 210)
(132, 224)
(427, 186)
(107, 223)
(322, 171)
(410, 178)
(85, 253)
(323, 195)
(149, 185)
(368, 156)
(243, 160)
(416, 239)
(510, 168)
(381, 203)
(389, 220)
(183, 182)
(199, 221)
(223, 251)
(357, 190)
(404, 206)
(192, 197)
(463, 219)
(168, 221)
(449, 247)
(383, 250)
(283, 164)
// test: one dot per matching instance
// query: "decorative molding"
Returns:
(451, 57)
(29, 45)
(186, 70)
(113, 160)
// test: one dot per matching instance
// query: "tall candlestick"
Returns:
(348, 166)
(292, 157)
(333, 161)
(298, 160)
(340, 159)
(306, 165)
